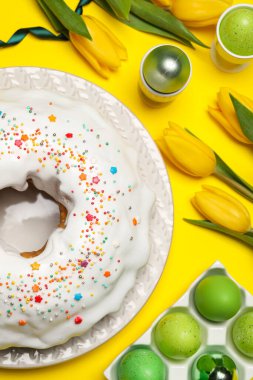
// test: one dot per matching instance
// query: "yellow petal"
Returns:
(226, 106)
(201, 23)
(163, 3)
(222, 209)
(188, 153)
(118, 46)
(100, 46)
(198, 10)
(218, 116)
(102, 70)
(176, 130)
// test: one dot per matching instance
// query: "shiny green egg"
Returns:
(166, 69)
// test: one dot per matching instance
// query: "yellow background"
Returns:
(193, 250)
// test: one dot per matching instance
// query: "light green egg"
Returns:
(178, 335)
(243, 334)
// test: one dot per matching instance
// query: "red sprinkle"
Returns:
(69, 135)
(38, 299)
(78, 320)
(89, 217)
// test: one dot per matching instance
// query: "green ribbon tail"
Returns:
(40, 32)
(36, 31)
(81, 4)
(246, 238)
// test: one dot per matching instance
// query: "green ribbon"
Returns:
(40, 32)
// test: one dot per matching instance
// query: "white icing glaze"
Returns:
(68, 150)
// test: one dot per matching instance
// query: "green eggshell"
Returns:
(141, 364)
(243, 334)
(236, 31)
(217, 298)
(178, 335)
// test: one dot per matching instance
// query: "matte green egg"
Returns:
(243, 334)
(141, 364)
(178, 335)
(217, 298)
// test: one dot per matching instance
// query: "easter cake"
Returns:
(65, 148)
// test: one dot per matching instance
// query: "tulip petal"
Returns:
(198, 10)
(118, 46)
(227, 109)
(188, 157)
(100, 47)
(201, 23)
(102, 70)
(221, 208)
(218, 116)
(176, 130)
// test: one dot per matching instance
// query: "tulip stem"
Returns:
(227, 175)
(246, 238)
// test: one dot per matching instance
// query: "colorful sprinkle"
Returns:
(78, 320)
(35, 266)
(52, 118)
(113, 170)
(78, 296)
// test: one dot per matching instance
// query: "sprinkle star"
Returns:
(52, 118)
(35, 266)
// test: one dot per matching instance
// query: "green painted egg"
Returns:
(217, 298)
(141, 364)
(178, 335)
(243, 334)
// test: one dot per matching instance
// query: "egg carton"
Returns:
(217, 337)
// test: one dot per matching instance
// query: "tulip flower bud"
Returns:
(166, 4)
(198, 13)
(186, 152)
(225, 113)
(104, 52)
(221, 208)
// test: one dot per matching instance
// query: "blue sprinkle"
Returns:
(78, 296)
(113, 170)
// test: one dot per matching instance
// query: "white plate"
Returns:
(153, 173)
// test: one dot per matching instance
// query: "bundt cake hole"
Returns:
(19, 221)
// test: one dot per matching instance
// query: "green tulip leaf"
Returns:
(67, 17)
(206, 364)
(245, 117)
(57, 25)
(246, 238)
(228, 363)
(162, 19)
(120, 7)
(141, 25)
(227, 175)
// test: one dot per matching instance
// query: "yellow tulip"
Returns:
(104, 52)
(166, 4)
(186, 152)
(225, 113)
(221, 208)
(196, 13)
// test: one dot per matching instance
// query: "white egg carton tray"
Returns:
(216, 336)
